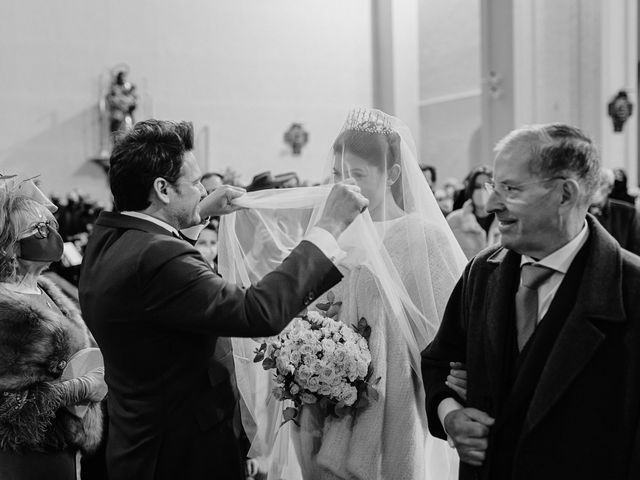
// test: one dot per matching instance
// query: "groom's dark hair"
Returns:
(152, 149)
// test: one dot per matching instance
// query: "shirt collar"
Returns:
(149, 218)
(561, 259)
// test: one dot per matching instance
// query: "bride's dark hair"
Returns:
(381, 150)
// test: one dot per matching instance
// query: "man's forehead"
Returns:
(190, 167)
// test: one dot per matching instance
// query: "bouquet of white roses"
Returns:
(321, 360)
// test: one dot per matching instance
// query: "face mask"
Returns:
(480, 197)
(48, 249)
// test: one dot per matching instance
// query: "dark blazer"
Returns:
(581, 418)
(622, 221)
(156, 310)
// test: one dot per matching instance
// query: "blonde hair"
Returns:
(17, 212)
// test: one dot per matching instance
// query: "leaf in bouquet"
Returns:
(288, 414)
(323, 306)
(362, 323)
(268, 363)
(260, 351)
(366, 333)
(372, 393)
(333, 310)
(331, 297)
(363, 402)
(341, 410)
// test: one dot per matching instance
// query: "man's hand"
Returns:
(457, 379)
(344, 204)
(218, 202)
(468, 428)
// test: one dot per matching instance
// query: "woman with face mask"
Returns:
(40, 330)
(475, 228)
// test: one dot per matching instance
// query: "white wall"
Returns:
(244, 70)
(571, 58)
(450, 107)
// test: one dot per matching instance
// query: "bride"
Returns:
(401, 264)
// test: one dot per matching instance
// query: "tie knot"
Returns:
(535, 275)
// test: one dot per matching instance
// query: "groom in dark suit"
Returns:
(548, 325)
(156, 308)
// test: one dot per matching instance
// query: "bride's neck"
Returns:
(387, 210)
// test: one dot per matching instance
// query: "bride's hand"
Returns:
(457, 379)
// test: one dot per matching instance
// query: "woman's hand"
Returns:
(457, 379)
(95, 386)
(90, 387)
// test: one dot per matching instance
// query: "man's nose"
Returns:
(494, 203)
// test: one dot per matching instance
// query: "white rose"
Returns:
(294, 389)
(295, 357)
(328, 346)
(313, 384)
(281, 364)
(306, 349)
(308, 398)
(324, 390)
(350, 397)
(314, 315)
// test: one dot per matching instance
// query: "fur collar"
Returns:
(35, 343)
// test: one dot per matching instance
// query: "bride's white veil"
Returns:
(403, 239)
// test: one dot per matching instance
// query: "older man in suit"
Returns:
(157, 309)
(548, 325)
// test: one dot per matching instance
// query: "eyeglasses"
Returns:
(511, 192)
(41, 229)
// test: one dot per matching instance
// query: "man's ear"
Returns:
(393, 174)
(571, 193)
(161, 190)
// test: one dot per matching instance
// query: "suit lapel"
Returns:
(580, 337)
(501, 287)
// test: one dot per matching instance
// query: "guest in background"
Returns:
(619, 218)
(474, 227)
(619, 191)
(40, 330)
(429, 172)
(212, 180)
(445, 195)
(207, 245)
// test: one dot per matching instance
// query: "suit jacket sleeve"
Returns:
(449, 345)
(180, 291)
(633, 242)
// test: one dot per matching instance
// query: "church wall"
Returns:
(241, 70)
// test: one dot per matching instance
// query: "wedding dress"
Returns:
(398, 273)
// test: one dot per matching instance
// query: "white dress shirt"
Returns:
(321, 238)
(559, 261)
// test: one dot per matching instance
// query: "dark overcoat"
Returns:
(572, 412)
(156, 310)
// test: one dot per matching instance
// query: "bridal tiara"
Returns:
(370, 121)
